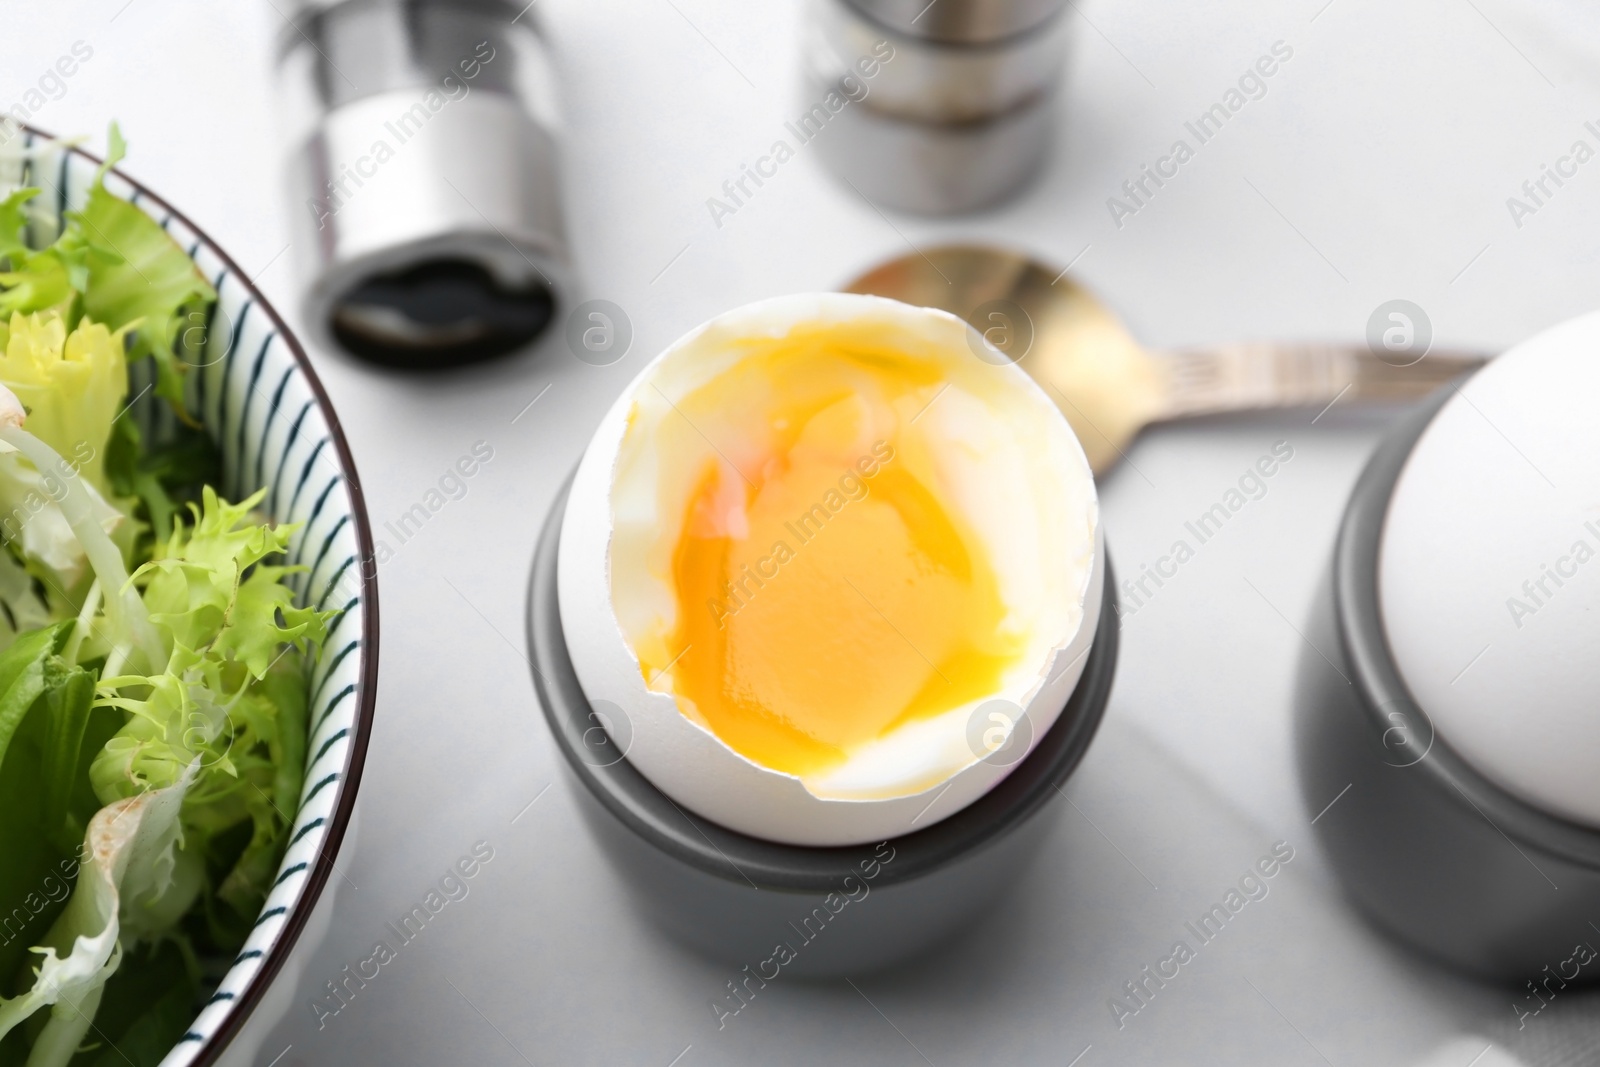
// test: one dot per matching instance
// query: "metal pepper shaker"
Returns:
(960, 114)
(423, 141)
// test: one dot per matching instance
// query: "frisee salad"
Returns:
(153, 664)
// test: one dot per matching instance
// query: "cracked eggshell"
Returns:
(882, 789)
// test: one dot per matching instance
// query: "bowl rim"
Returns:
(355, 758)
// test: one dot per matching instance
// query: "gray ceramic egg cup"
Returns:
(836, 910)
(1433, 851)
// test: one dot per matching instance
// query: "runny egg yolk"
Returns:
(826, 594)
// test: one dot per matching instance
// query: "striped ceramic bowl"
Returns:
(261, 402)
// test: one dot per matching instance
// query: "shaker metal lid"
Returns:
(972, 22)
(1489, 571)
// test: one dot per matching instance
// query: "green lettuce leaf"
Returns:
(116, 266)
(163, 477)
(137, 276)
(21, 608)
(29, 843)
(49, 732)
(130, 879)
(233, 696)
(73, 384)
(43, 279)
(13, 225)
(153, 723)
(146, 1009)
(45, 706)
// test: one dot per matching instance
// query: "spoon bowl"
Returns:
(1105, 382)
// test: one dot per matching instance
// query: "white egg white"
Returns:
(1020, 479)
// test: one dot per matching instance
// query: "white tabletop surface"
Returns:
(1376, 167)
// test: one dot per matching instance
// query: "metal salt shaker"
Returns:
(961, 114)
(423, 167)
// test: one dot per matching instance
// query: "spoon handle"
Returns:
(1201, 381)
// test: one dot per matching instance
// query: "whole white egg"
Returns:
(1489, 571)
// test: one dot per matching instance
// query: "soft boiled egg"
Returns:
(830, 556)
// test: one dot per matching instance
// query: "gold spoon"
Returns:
(1108, 385)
